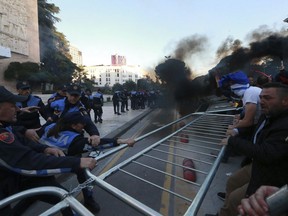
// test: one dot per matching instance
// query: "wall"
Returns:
(19, 32)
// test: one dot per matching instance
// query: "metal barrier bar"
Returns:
(197, 140)
(194, 207)
(179, 165)
(118, 148)
(208, 163)
(215, 129)
(160, 171)
(198, 132)
(198, 152)
(67, 200)
(104, 175)
(157, 186)
(122, 196)
(187, 144)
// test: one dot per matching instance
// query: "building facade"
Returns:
(76, 55)
(104, 75)
(19, 34)
(118, 60)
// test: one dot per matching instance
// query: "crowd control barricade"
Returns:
(161, 168)
(178, 169)
(67, 200)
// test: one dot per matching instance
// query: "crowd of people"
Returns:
(259, 133)
(32, 154)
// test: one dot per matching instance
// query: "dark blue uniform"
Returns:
(60, 107)
(31, 119)
(22, 162)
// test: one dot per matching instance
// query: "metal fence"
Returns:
(180, 166)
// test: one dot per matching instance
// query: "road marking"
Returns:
(165, 198)
(121, 152)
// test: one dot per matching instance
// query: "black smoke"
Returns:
(231, 54)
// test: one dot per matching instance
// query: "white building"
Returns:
(111, 74)
(76, 55)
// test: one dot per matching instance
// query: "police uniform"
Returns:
(71, 141)
(30, 119)
(60, 107)
(97, 99)
(22, 162)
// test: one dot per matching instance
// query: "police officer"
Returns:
(86, 99)
(67, 134)
(31, 119)
(59, 94)
(124, 100)
(23, 162)
(72, 103)
(98, 101)
(116, 102)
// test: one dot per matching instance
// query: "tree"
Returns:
(21, 71)
(117, 87)
(130, 85)
(54, 47)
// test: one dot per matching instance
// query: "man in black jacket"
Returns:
(268, 147)
(22, 162)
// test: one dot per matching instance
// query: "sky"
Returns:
(145, 31)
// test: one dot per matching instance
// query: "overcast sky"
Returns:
(147, 30)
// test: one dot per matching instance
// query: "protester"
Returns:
(23, 162)
(268, 148)
(256, 204)
(239, 84)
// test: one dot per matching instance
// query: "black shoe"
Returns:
(95, 121)
(100, 120)
(211, 214)
(127, 109)
(118, 113)
(221, 196)
(92, 205)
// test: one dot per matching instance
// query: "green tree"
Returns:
(117, 87)
(54, 47)
(21, 71)
(130, 85)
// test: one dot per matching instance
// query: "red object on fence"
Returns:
(184, 138)
(189, 174)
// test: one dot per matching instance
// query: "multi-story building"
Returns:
(118, 60)
(117, 72)
(109, 75)
(76, 55)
